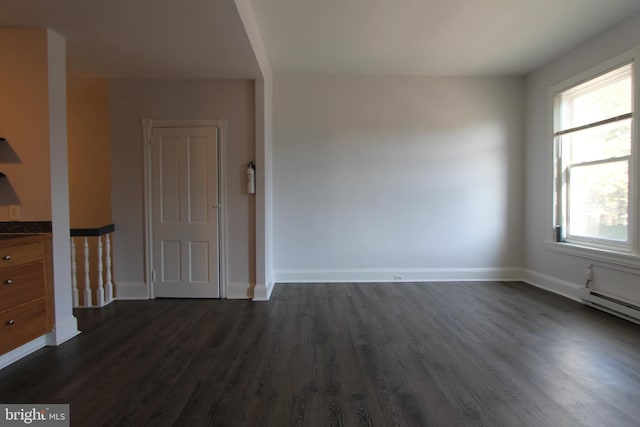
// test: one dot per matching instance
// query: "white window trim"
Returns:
(611, 254)
(594, 254)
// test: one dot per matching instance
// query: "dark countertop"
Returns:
(25, 227)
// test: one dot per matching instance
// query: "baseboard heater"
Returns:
(611, 305)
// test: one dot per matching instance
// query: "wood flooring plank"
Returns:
(344, 354)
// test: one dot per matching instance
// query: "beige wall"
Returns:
(24, 121)
(132, 100)
(89, 153)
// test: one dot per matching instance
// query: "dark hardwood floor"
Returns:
(440, 354)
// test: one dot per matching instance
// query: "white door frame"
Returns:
(147, 126)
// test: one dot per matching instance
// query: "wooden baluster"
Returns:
(74, 280)
(87, 281)
(100, 293)
(109, 284)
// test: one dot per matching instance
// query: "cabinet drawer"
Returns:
(21, 284)
(15, 255)
(22, 324)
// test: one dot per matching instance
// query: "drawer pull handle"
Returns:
(10, 322)
(8, 282)
(6, 257)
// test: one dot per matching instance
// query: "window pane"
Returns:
(598, 201)
(602, 142)
(601, 98)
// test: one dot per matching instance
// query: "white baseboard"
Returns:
(63, 332)
(397, 275)
(561, 287)
(22, 351)
(138, 291)
(131, 291)
(262, 292)
(239, 291)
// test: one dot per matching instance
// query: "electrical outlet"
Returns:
(397, 277)
(14, 212)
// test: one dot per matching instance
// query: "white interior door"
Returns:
(184, 211)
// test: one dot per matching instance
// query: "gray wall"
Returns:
(558, 271)
(133, 100)
(374, 173)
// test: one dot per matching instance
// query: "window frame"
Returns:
(627, 252)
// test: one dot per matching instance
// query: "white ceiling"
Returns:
(143, 38)
(434, 37)
(206, 38)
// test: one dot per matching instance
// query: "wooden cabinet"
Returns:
(26, 293)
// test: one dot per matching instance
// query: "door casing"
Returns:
(147, 125)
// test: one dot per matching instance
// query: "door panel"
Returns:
(199, 253)
(169, 177)
(199, 208)
(184, 205)
(170, 262)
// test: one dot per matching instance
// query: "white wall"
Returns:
(264, 152)
(557, 271)
(264, 188)
(378, 176)
(132, 100)
(66, 325)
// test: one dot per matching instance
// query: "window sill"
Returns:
(602, 255)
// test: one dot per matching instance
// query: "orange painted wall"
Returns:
(89, 153)
(24, 122)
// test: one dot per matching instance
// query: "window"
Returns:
(594, 161)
